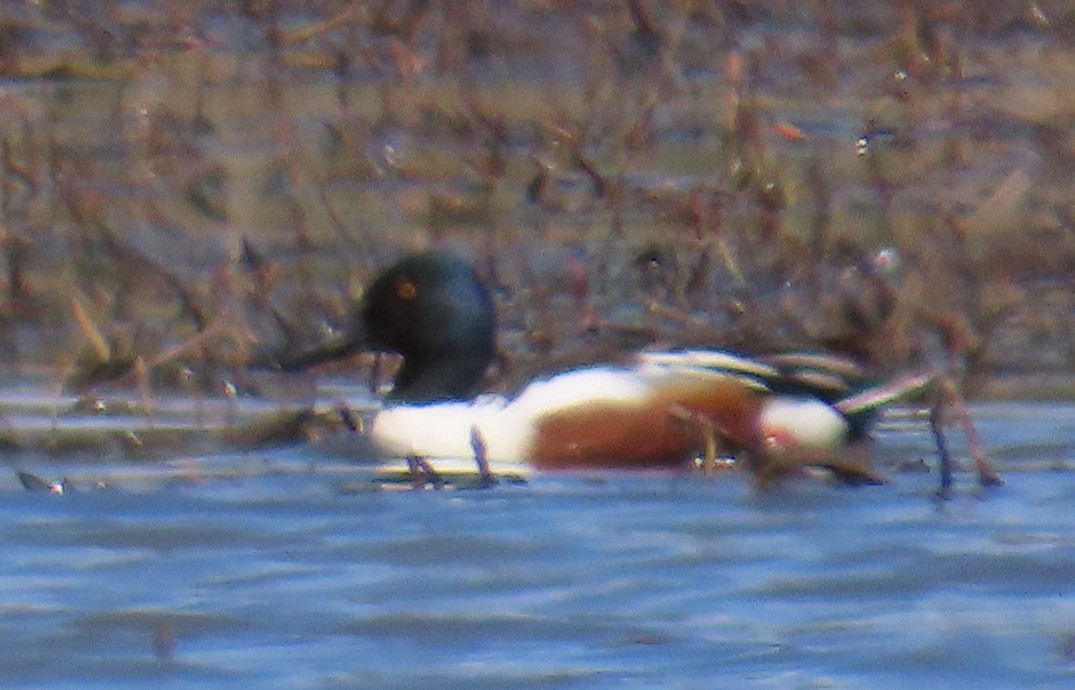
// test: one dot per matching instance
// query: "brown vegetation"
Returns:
(184, 186)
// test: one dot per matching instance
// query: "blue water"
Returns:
(291, 574)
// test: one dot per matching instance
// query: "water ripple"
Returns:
(279, 579)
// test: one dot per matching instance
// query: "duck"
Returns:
(655, 410)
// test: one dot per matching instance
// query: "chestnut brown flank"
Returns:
(615, 434)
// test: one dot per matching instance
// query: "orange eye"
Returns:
(406, 290)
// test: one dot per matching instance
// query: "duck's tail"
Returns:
(836, 381)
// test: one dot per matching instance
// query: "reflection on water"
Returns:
(292, 579)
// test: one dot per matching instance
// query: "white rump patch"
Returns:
(790, 423)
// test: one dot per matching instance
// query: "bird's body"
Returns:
(612, 417)
(659, 410)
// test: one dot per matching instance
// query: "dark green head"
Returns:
(432, 309)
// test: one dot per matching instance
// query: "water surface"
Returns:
(283, 569)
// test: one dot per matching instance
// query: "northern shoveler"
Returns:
(660, 410)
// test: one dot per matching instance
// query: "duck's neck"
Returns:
(444, 379)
